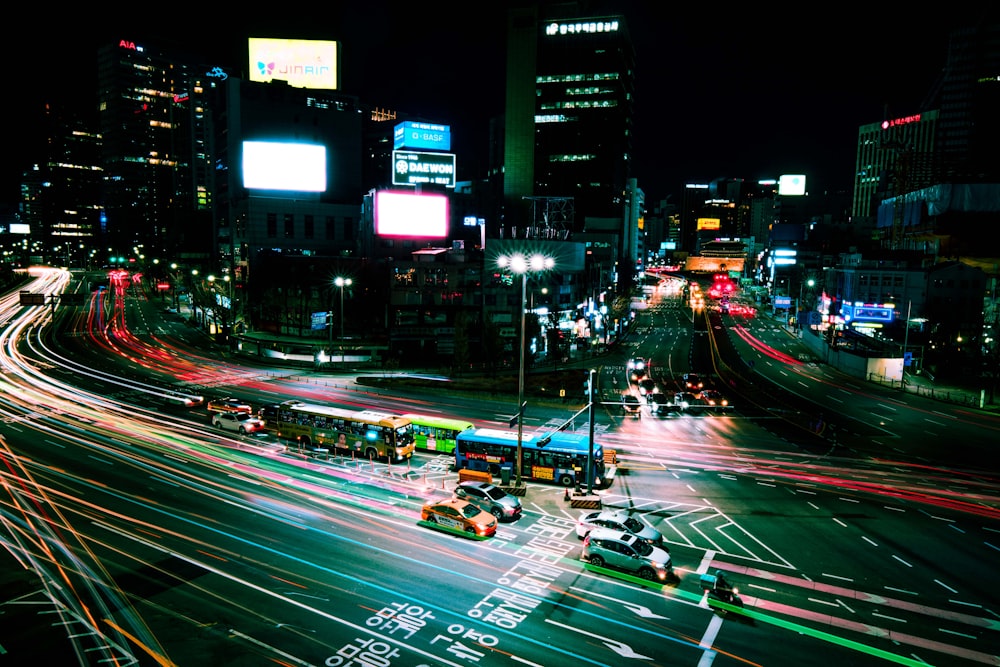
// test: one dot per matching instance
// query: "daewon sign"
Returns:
(421, 168)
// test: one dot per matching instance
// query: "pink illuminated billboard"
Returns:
(409, 214)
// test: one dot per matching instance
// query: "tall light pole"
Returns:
(906, 341)
(590, 442)
(341, 283)
(520, 264)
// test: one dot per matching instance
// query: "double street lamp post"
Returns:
(341, 283)
(231, 315)
(520, 264)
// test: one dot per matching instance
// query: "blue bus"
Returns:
(557, 457)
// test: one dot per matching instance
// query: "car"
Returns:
(647, 386)
(616, 549)
(659, 403)
(241, 422)
(268, 413)
(631, 405)
(692, 382)
(490, 498)
(459, 514)
(714, 399)
(617, 519)
(229, 405)
(180, 401)
(684, 400)
(637, 368)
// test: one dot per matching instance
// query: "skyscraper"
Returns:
(156, 156)
(61, 192)
(569, 113)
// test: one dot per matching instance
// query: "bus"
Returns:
(557, 457)
(436, 434)
(368, 433)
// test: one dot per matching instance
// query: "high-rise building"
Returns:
(894, 156)
(61, 193)
(156, 151)
(568, 129)
(969, 101)
(569, 111)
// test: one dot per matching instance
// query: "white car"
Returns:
(241, 422)
(618, 519)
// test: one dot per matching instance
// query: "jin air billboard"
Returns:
(303, 63)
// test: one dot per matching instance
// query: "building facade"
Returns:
(156, 131)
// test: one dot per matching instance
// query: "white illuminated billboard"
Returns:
(410, 214)
(276, 165)
(792, 184)
(303, 63)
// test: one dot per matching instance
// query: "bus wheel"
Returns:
(566, 480)
(371, 453)
(305, 442)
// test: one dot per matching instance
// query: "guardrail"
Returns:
(954, 395)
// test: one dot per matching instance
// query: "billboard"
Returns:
(410, 214)
(868, 312)
(278, 165)
(419, 168)
(792, 184)
(303, 63)
(422, 135)
(709, 223)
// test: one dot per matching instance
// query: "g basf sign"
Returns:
(418, 168)
(422, 135)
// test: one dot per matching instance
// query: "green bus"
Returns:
(436, 434)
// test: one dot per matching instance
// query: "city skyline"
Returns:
(729, 97)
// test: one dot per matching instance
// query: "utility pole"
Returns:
(590, 444)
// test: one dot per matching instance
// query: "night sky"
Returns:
(750, 94)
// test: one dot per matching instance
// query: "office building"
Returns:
(61, 193)
(894, 156)
(569, 121)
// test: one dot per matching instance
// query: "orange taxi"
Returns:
(458, 514)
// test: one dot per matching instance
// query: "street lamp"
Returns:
(341, 283)
(520, 264)
(590, 441)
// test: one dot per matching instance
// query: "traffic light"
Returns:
(513, 420)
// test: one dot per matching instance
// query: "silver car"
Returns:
(490, 498)
(617, 519)
(241, 422)
(604, 547)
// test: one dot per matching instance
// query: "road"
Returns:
(157, 540)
